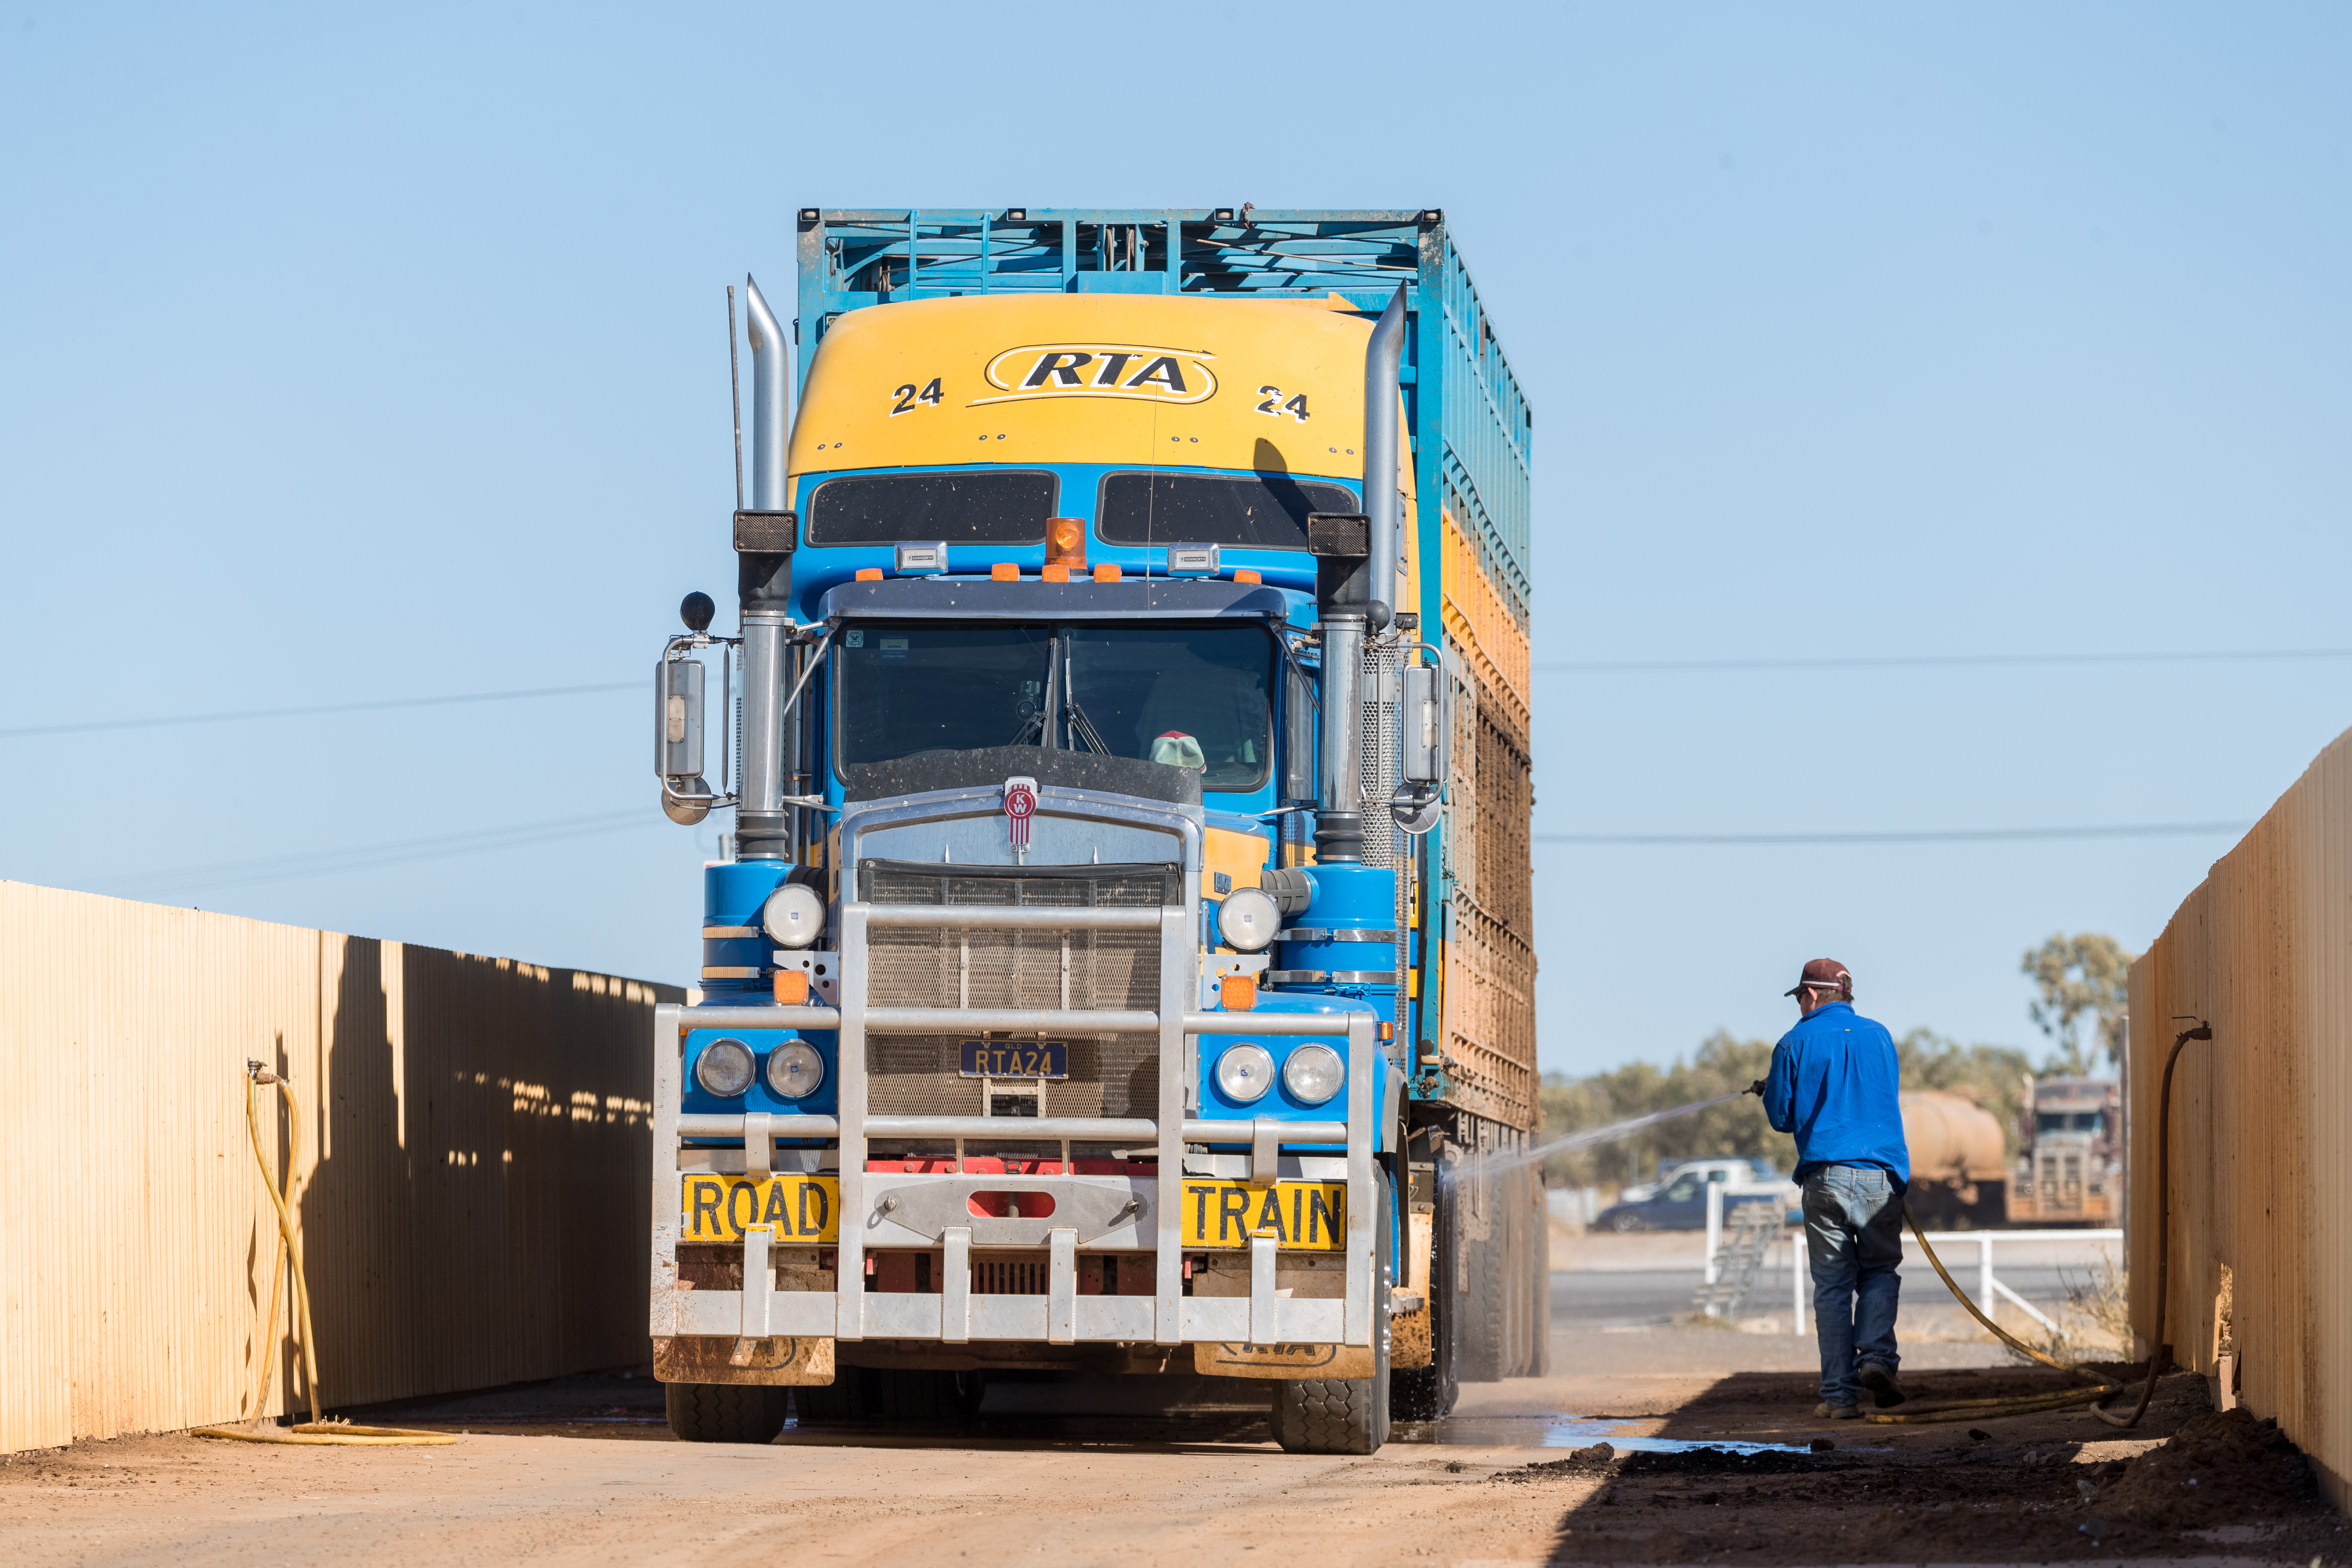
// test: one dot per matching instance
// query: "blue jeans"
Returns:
(1853, 1229)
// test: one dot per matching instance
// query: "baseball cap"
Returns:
(1823, 975)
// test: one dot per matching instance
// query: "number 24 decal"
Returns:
(1296, 407)
(907, 397)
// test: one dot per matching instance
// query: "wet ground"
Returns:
(1708, 1460)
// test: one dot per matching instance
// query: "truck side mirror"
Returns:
(678, 739)
(1424, 751)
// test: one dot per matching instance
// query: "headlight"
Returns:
(794, 1071)
(724, 1069)
(1244, 1073)
(1248, 918)
(1313, 1073)
(794, 915)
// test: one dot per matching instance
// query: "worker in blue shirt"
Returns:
(1834, 1083)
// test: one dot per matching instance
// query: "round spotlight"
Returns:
(1248, 918)
(724, 1069)
(1244, 1073)
(1313, 1073)
(794, 915)
(795, 1071)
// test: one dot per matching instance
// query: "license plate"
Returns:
(1009, 1059)
(1312, 1216)
(801, 1208)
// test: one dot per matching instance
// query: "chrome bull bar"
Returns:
(1131, 1213)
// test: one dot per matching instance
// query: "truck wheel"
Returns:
(1347, 1415)
(870, 1393)
(1627, 1224)
(1417, 1393)
(929, 1398)
(723, 1411)
(842, 1399)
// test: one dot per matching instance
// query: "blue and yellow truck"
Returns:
(1122, 962)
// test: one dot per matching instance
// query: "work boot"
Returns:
(1880, 1381)
(1827, 1412)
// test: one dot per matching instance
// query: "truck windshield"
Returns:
(1193, 696)
(906, 691)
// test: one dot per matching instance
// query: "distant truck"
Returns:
(2069, 1168)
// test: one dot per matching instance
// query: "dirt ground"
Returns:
(584, 1471)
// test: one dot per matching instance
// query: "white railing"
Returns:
(1990, 1289)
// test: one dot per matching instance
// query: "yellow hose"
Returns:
(315, 1430)
(1986, 1409)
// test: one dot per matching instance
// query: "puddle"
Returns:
(1569, 1432)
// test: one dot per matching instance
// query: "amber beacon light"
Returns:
(1066, 541)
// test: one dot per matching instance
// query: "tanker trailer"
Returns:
(1960, 1177)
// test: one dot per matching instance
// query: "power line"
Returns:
(372, 857)
(1922, 835)
(317, 708)
(1929, 661)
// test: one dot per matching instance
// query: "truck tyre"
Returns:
(723, 1411)
(842, 1399)
(889, 1393)
(1347, 1415)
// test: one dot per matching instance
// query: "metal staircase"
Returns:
(1752, 1230)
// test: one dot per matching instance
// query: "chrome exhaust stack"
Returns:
(1355, 573)
(764, 538)
(1383, 506)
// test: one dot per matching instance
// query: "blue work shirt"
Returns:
(1835, 1083)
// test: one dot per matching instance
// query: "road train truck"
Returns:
(1121, 961)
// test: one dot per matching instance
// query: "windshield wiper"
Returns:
(1081, 727)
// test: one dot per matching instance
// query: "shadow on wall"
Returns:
(476, 1213)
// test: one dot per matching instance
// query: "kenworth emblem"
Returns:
(1100, 370)
(1020, 806)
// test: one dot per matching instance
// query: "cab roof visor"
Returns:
(1033, 599)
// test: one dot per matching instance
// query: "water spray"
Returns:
(1614, 1131)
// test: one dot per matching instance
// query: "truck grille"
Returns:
(962, 966)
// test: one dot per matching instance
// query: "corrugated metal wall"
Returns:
(473, 1163)
(2261, 1116)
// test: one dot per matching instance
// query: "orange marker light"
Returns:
(1105, 573)
(1057, 574)
(1237, 992)
(1066, 541)
(1246, 575)
(869, 574)
(1387, 1031)
(1004, 572)
(792, 987)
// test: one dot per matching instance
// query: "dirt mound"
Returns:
(2221, 1467)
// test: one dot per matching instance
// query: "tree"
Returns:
(2079, 976)
(1720, 1065)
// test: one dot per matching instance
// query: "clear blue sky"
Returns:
(377, 352)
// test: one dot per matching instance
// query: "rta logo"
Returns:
(1100, 370)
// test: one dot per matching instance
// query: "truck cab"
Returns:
(1064, 1001)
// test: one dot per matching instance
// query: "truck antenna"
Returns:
(735, 385)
